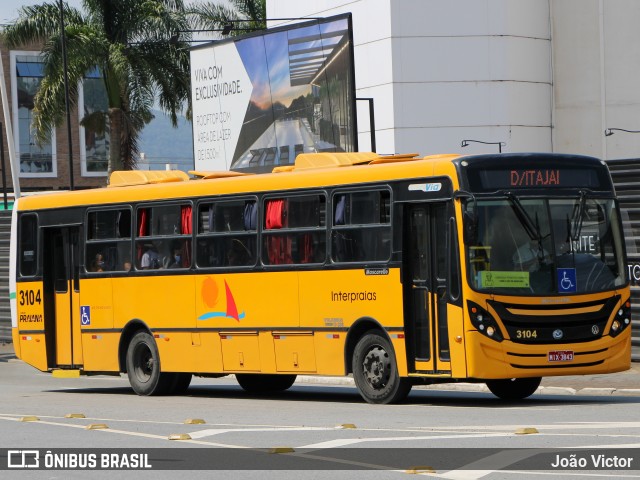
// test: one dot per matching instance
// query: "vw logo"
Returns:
(595, 330)
(557, 334)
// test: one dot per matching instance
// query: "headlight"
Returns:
(622, 319)
(484, 322)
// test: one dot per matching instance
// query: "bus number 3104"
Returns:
(29, 297)
(526, 334)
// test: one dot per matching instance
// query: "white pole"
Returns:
(15, 168)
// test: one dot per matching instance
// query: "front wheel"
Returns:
(375, 371)
(514, 388)
(143, 366)
(264, 383)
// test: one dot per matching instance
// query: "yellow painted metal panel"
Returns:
(240, 352)
(100, 351)
(30, 347)
(266, 299)
(33, 350)
(15, 336)
(329, 349)
(159, 301)
(337, 299)
(76, 327)
(30, 303)
(458, 364)
(97, 294)
(63, 327)
(177, 352)
(295, 352)
(401, 354)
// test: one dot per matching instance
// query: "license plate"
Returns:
(561, 356)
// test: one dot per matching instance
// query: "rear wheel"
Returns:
(514, 388)
(375, 371)
(264, 383)
(179, 383)
(143, 366)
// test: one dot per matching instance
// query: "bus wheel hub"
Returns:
(377, 367)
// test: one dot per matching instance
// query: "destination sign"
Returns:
(535, 178)
(493, 179)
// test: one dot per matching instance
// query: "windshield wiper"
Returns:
(578, 216)
(532, 229)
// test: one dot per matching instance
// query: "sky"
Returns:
(9, 8)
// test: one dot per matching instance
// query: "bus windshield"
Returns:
(538, 246)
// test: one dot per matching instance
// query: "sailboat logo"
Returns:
(221, 305)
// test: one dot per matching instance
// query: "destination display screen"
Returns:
(529, 177)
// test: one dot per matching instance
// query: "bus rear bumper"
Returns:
(489, 359)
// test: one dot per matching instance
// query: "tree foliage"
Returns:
(130, 41)
(244, 15)
(141, 48)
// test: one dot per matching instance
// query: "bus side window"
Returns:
(28, 253)
(227, 233)
(108, 245)
(361, 227)
(278, 245)
(295, 230)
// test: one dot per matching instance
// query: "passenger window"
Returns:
(163, 237)
(361, 230)
(108, 245)
(294, 230)
(227, 234)
(28, 245)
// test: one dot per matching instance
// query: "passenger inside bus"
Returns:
(97, 265)
(150, 258)
(175, 259)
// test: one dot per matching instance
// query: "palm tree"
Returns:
(210, 15)
(130, 42)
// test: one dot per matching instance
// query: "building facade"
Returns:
(537, 75)
(48, 166)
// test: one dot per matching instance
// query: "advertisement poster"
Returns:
(261, 99)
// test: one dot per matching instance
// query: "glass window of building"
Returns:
(93, 106)
(35, 160)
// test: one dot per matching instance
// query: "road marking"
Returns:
(552, 426)
(209, 432)
(497, 462)
(352, 441)
(478, 474)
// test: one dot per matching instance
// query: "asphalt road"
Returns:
(326, 430)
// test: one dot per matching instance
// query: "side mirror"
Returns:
(469, 219)
(470, 228)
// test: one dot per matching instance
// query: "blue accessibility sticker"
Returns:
(85, 315)
(567, 282)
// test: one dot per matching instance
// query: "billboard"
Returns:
(261, 99)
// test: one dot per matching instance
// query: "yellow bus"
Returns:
(397, 270)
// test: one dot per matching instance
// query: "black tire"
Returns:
(179, 383)
(514, 388)
(376, 373)
(143, 366)
(264, 383)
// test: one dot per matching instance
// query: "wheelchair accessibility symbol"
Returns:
(567, 282)
(85, 315)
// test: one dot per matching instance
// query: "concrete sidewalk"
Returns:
(622, 383)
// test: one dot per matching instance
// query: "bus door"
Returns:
(61, 270)
(426, 290)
